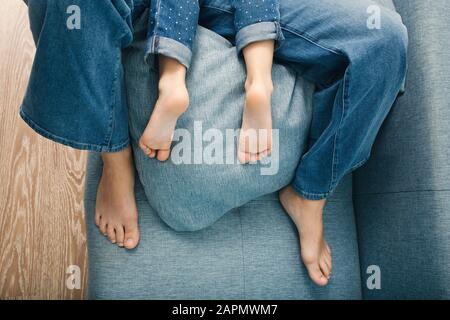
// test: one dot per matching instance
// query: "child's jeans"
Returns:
(173, 24)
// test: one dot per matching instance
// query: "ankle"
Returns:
(175, 95)
(259, 83)
(172, 73)
(299, 201)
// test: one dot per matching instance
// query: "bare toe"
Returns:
(131, 236)
(325, 268)
(163, 155)
(97, 219)
(102, 227)
(316, 274)
(120, 234)
(111, 233)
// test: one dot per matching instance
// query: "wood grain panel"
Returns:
(42, 229)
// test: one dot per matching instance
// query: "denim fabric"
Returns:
(76, 93)
(192, 195)
(402, 195)
(172, 28)
(256, 20)
(250, 253)
(173, 24)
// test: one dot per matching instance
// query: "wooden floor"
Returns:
(42, 229)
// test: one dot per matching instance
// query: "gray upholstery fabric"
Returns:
(251, 253)
(402, 196)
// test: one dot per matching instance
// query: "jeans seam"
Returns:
(244, 36)
(109, 137)
(312, 40)
(311, 195)
(71, 143)
(158, 12)
(178, 50)
(336, 138)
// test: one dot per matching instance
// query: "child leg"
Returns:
(257, 29)
(172, 30)
(256, 133)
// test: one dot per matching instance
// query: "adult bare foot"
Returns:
(307, 216)
(255, 141)
(116, 212)
(172, 102)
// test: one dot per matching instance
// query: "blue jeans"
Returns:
(358, 72)
(173, 24)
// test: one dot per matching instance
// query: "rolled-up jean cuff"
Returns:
(310, 195)
(260, 31)
(157, 45)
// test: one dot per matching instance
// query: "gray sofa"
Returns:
(394, 213)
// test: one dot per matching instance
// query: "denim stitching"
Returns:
(109, 136)
(74, 144)
(313, 40)
(336, 138)
(158, 12)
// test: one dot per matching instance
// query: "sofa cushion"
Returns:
(199, 184)
(402, 195)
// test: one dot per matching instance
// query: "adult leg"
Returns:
(359, 72)
(116, 211)
(172, 28)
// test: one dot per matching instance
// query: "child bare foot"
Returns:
(255, 141)
(172, 102)
(307, 216)
(116, 212)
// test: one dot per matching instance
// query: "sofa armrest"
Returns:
(402, 196)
